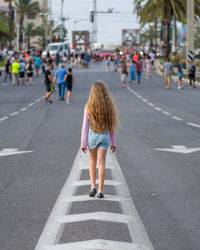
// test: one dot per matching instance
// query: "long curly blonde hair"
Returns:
(101, 110)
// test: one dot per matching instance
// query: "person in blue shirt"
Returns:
(132, 72)
(60, 78)
(37, 64)
(22, 71)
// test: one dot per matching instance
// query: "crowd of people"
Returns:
(135, 64)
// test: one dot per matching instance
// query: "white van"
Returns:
(54, 48)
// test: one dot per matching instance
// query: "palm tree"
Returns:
(148, 33)
(23, 7)
(163, 11)
(30, 31)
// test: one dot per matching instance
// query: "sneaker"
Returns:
(100, 195)
(92, 192)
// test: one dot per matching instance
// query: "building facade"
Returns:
(38, 19)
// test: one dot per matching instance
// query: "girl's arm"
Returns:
(84, 135)
(113, 140)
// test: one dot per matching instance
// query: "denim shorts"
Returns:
(97, 140)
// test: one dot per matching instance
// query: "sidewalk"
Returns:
(158, 70)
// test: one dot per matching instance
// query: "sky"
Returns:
(109, 26)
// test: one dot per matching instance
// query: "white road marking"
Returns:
(14, 113)
(179, 149)
(38, 100)
(150, 104)
(99, 216)
(144, 100)
(31, 104)
(78, 198)
(193, 124)
(177, 118)
(158, 109)
(60, 214)
(23, 109)
(3, 118)
(98, 244)
(12, 151)
(87, 182)
(166, 113)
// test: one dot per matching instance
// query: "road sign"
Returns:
(12, 151)
(179, 149)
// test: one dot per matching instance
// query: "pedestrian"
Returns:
(139, 69)
(48, 82)
(148, 64)
(29, 70)
(69, 78)
(107, 63)
(57, 59)
(99, 129)
(132, 72)
(191, 73)
(180, 76)
(37, 65)
(152, 56)
(22, 71)
(60, 78)
(15, 72)
(8, 70)
(124, 74)
(167, 72)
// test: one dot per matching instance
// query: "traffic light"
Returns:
(92, 16)
(57, 39)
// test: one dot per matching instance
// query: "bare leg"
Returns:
(92, 166)
(48, 94)
(68, 96)
(101, 165)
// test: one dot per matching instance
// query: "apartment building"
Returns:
(36, 18)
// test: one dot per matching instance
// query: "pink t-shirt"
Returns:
(84, 135)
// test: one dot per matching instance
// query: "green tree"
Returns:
(148, 33)
(30, 31)
(163, 11)
(23, 7)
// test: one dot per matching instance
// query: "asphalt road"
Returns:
(164, 185)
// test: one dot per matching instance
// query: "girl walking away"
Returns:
(132, 72)
(107, 63)
(180, 75)
(148, 64)
(29, 70)
(48, 82)
(124, 74)
(69, 78)
(100, 123)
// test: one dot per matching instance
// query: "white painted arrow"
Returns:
(12, 151)
(179, 149)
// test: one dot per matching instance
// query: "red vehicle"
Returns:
(105, 53)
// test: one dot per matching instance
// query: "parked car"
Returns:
(54, 48)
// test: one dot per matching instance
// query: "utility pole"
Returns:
(94, 27)
(62, 19)
(190, 30)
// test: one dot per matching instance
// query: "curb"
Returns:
(174, 78)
